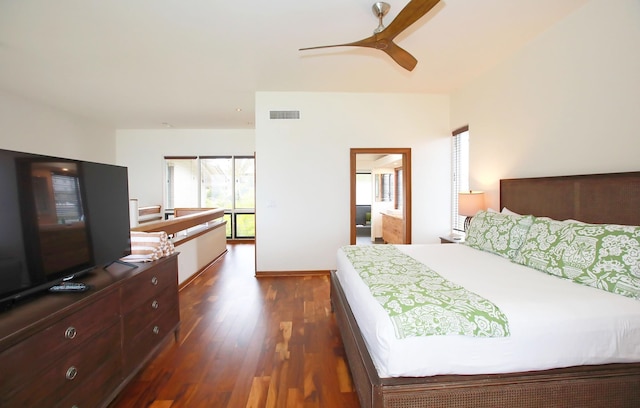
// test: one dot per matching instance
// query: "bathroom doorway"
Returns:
(390, 170)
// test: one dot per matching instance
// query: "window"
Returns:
(244, 197)
(244, 182)
(459, 173)
(245, 225)
(384, 186)
(215, 182)
(364, 193)
(183, 189)
(398, 192)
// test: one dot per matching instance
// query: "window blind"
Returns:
(459, 173)
(66, 192)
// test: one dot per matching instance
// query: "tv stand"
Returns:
(81, 349)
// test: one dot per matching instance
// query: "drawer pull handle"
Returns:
(156, 330)
(155, 304)
(70, 333)
(72, 372)
(154, 281)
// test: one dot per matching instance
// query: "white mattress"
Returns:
(553, 322)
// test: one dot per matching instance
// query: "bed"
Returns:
(613, 381)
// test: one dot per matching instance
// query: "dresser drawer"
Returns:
(70, 371)
(28, 358)
(138, 348)
(149, 283)
(150, 310)
(96, 389)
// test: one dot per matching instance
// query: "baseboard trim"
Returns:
(241, 241)
(287, 274)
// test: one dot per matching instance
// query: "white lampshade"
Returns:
(469, 203)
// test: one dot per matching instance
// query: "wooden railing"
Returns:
(195, 222)
(149, 214)
(199, 235)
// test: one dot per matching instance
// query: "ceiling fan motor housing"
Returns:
(380, 9)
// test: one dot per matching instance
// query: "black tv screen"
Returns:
(58, 218)
(53, 216)
(107, 192)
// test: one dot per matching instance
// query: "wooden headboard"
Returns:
(612, 198)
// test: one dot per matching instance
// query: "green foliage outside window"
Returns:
(246, 225)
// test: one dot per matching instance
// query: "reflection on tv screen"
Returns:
(58, 216)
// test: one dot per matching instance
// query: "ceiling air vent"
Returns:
(284, 114)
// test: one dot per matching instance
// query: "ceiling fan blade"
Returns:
(367, 42)
(399, 55)
(411, 13)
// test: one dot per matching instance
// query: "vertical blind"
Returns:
(66, 192)
(459, 173)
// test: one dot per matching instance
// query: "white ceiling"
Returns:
(192, 63)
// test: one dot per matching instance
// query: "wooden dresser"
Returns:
(80, 349)
(392, 229)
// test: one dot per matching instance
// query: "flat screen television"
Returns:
(59, 218)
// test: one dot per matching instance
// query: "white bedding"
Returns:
(553, 322)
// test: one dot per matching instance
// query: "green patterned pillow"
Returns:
(604, 256)
(501, 234)
(543, 245)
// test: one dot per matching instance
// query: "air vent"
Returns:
(284, 114)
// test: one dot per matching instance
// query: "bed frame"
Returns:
(600, 198)
(612, 198)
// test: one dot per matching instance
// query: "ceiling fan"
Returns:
(382, 38)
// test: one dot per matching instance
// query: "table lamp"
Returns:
(469, 203)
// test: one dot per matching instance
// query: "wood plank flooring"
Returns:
(248, 342)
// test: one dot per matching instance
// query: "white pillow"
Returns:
(507, 211)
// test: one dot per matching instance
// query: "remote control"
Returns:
(69, 287)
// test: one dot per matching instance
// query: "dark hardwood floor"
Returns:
(248, 342)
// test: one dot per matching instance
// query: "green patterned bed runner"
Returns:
(419, 301)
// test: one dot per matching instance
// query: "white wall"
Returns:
(33, 127)
(302, 167)
(143, 152)
(568, 103)
(565, 104)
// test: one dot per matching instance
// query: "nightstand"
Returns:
(452, 239)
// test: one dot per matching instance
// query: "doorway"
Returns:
(403, 198)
